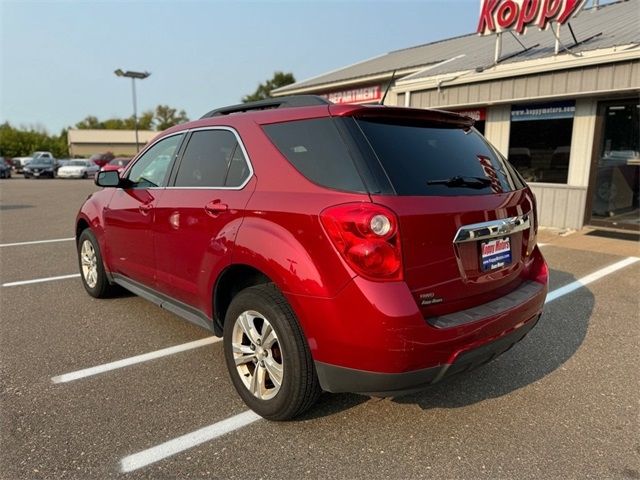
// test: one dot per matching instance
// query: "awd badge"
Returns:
(429, 299)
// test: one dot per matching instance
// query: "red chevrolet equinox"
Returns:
(342, 248)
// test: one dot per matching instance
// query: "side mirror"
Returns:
(110, 178)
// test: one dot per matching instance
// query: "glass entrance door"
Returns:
(615, 193)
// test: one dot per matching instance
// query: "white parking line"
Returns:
(205, 434)
(35, 242)
(40, 280)
(185, 442)
(581, 282)
(145, 357)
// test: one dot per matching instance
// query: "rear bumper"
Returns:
(340, 379)
(373, 338)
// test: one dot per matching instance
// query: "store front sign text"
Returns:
(543, 111)
(357, 95)
(479, 114)
(516, 15)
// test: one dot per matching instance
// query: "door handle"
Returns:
(215, 208)
(145, 208)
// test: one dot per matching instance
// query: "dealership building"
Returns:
(86, 142)
(560, 103)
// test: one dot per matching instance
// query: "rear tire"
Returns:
(267, 355)
(92, 272)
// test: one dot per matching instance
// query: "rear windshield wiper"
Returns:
(464, 182)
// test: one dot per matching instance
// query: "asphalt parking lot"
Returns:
(563, 403)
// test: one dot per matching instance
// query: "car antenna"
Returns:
(393, 75)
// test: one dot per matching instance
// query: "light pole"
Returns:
(133, 76)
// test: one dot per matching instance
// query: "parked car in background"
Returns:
(42, 155)
(102, 159)
(78, 169)
(5, 168)
(20, 162)
(344, 248)
(61, 162)
(118, 164)
(40, 167)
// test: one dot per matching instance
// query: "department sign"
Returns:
(516, 15)
(356, 95)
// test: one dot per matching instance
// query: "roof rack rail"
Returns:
(280, 102)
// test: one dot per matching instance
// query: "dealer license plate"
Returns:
(495, 253)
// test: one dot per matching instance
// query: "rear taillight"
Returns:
(366, 236)
(533, 230)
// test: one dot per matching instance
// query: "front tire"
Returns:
(92, 272)
(267, 355)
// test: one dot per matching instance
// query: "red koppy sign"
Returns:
(517, 15)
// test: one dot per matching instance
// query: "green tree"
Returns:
(280, 79)
(20, 142)
(161, 118)
(166, 117)
(90, 122)
(145, 120)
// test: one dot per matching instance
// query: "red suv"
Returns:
(341, 248)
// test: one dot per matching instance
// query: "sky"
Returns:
(58, 57)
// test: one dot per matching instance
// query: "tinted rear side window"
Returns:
(207, 159)
(316, 149)
(413, 155)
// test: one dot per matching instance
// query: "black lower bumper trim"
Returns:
(338, 379)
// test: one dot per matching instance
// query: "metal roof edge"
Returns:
(527, 67)
(291, 87)
(349, 81)
(303, 87)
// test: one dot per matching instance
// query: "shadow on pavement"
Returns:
(14, 207)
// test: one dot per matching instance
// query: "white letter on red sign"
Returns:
(486, 16)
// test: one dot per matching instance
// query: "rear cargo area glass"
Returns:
(415, 154)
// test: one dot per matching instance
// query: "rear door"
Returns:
(130, 214)
(198, 216)
(465, 216)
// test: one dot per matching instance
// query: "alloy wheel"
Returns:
(89, 264)
(257, 354)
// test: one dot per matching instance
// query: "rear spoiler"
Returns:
(414, 114)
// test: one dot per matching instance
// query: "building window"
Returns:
(616, 193)
(540, 141)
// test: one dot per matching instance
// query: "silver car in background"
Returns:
(79, 168)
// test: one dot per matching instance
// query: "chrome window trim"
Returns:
(244, 152)
(492, 229)
(140, 154)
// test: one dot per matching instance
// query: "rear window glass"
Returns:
(315, 148)
(421, 159)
